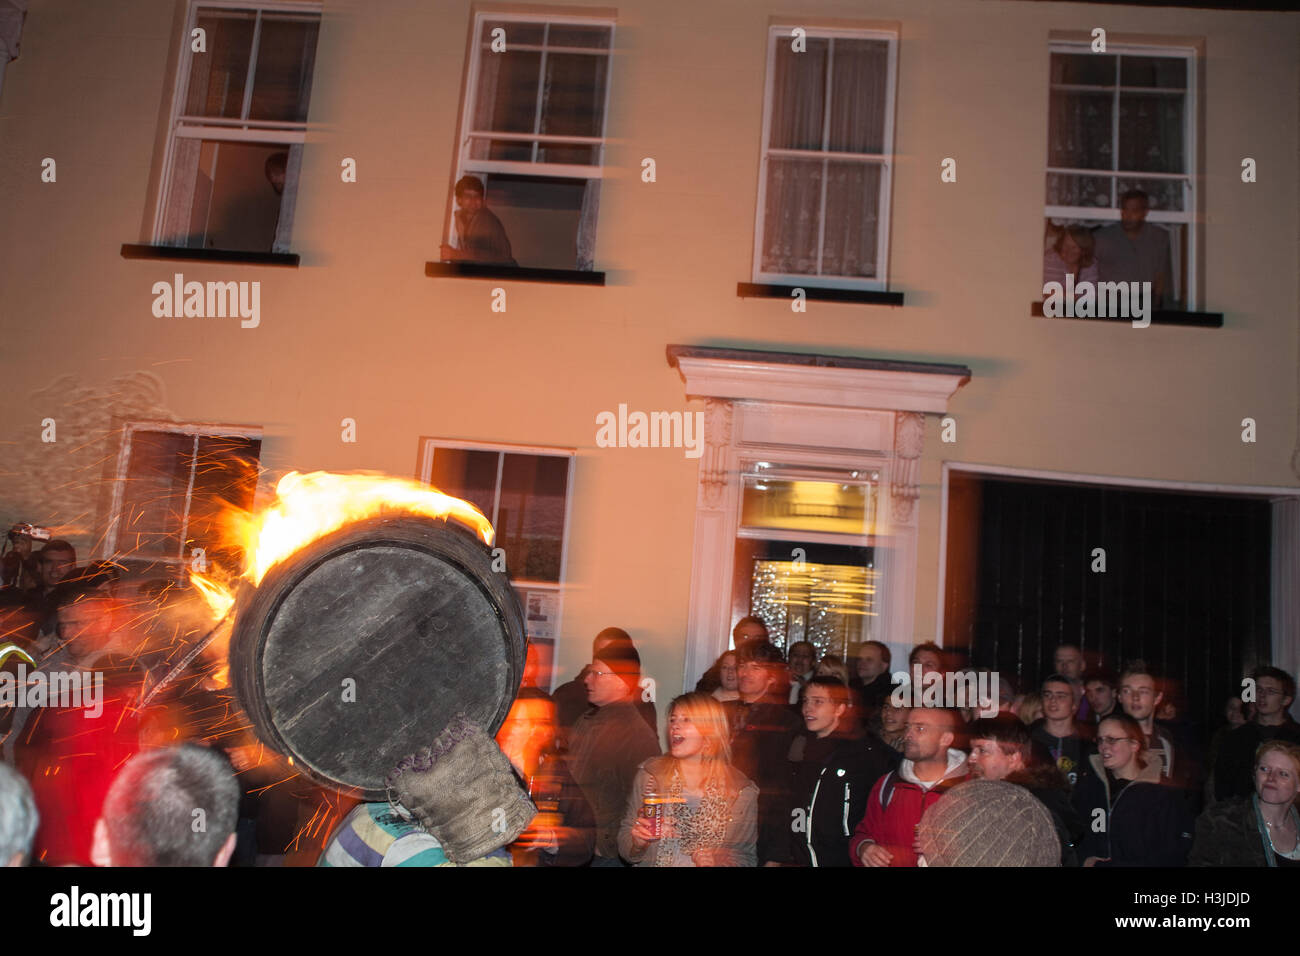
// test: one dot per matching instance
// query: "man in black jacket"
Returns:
(609, 742)
(1140, 694)
(1234, 773)
(762, 728)
(832, 768)
(1000, 749)
(1067, 739)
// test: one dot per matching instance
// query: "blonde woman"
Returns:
(1073, 252)
(710, 809)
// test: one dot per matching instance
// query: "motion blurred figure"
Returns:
(564, 831)
(610, 742)
(762, 728)
(18, 817)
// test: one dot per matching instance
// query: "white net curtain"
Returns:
(821, 214)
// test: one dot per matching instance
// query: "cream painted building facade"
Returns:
(358, 331)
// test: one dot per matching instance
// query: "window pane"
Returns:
(471, 475)
(1067, 189)
(1166, 72)
(859, 84)
(285, 60)
(545, 218)
(507, 102)
(153, 495)
(573, 103)
(516, 34)
(225, 478)
(791, 223)
(1151, 133)
(1165, 194)
(822, 506)
(233, 202)
(828, 598)
(1083, 69)
(852, 201)
(530, 517)
(798, 95)
(216, 84)
(595, 38)
(1079, 130)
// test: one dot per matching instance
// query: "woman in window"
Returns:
(709, 809)
(1259, 830)
(1147, 823)
(1073, 252)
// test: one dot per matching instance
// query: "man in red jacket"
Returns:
(930, 766)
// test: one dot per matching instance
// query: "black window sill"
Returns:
(1202, 320)
(179, 254)
(488, 270)
(752, 290)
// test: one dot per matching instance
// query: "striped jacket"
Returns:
(374, 835)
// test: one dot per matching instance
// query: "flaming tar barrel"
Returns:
(358, 649)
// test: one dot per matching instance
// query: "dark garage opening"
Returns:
(1185, 587)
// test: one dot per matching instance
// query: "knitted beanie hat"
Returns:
(989, 823)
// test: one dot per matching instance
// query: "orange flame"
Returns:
(218, 598)
(314, 505)
(309, 507)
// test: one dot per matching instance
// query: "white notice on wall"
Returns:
(540, 613)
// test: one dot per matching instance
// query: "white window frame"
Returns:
(182, 126)
(1188, 216)
(467, 165)
(782, 34)
(792, 465)
(121, 473)
(424, 473)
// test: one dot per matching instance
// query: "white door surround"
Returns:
(810, 410)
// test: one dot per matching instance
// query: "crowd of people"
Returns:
(775, 759)
(787, 760)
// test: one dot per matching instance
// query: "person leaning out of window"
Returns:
(1259, 830)
(1073, 253)
(480, 236)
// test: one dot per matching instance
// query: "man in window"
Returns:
(481, 236)
(1133, 250)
